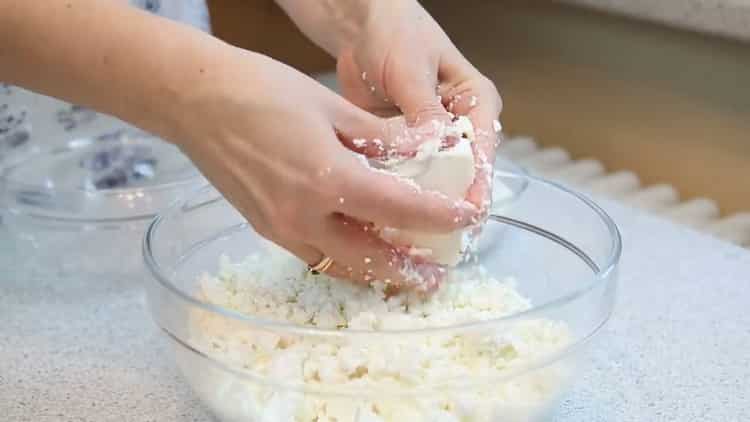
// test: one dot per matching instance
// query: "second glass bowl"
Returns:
(79, 210)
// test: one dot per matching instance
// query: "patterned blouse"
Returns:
(27, 117)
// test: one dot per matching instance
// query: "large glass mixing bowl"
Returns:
(562, 249)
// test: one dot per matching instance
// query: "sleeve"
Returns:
(192, 12)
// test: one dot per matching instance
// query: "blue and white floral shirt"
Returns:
(27, 117)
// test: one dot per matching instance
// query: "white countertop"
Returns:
(729, 18)
(675, 349)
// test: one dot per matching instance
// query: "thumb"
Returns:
(424, 117)
(414, 91)
(376, 137)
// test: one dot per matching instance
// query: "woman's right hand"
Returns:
(279, 146)
(272, 140)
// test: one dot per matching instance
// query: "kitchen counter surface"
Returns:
(676, 348)
(729, 18)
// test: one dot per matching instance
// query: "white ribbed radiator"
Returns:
(590, 176)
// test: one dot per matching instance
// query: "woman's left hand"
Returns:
(393, 58)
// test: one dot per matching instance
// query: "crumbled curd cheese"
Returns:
(275, 286)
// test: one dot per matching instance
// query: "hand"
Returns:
(279, 147)
(399, 60)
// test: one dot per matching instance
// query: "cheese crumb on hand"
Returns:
(275, 286)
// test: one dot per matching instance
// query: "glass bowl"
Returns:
(506, 190)
(80, 209)
(561, 248)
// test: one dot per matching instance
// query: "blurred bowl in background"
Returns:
(80, 209)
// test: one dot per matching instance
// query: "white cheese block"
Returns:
(448, 171)
(446, 249)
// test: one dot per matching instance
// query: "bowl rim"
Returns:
(120, 137)
(611, 263)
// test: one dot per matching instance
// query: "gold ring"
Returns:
(321, 266)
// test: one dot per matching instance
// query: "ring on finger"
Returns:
(322, 266)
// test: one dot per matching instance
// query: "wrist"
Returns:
(211, 82)
(334, 24)
(192, 72)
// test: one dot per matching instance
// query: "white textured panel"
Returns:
(735, 228)
(578, 172)
(590, 175)
(615, 185)
(654, 198)
(546, 159)
(518, 147)
(696, 212)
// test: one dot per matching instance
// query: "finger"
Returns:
(482, 104)
(359, 87)
(413, 89)
(361, 256)
(386, 199)
(398, 273)
(381, 138)
(306, 253)
(480, 192)
(312, 257)
(373, 136)
(363, 132)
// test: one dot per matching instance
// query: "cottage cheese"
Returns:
(407, 376)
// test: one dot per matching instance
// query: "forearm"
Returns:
(331, 24)
(105, 55)
(327, 22)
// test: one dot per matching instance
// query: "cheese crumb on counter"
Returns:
(274, 286)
